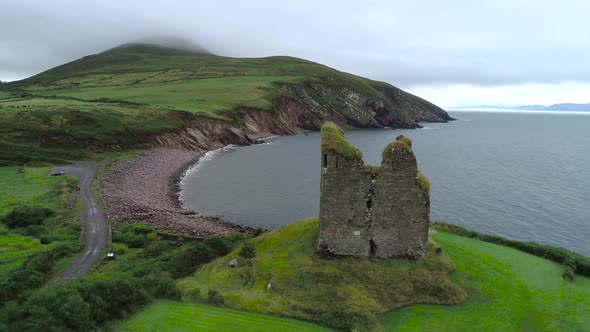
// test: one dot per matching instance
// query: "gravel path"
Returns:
(95, 235)
(144, 189)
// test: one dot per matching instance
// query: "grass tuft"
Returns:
(404, 139)
(423, 182)
(333, 141)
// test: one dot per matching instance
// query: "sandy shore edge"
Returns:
(145, 189)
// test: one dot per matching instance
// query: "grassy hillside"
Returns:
(508, 291)
(343, 293)
(164, 315)
(124, 96)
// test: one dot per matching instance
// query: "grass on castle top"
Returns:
(333, 140)
(508, 291)
(167, 315)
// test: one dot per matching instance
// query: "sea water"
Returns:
(521, 175)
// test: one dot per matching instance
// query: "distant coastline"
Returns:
(563, 107)
(513, 110)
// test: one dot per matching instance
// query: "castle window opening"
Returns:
(369, 203)
(325, 160)
(373, 247)
(336, 161)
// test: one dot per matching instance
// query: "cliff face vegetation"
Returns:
(145, 95)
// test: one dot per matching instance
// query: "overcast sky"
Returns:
(452, 52)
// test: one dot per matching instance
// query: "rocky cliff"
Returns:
(304, 107)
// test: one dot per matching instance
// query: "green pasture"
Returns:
(176, 316)
(34, 187)
(508, 291)
(196, 95)
(15, 248)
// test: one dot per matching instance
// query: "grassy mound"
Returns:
(509, 290)
(165, 315)
(343, 293)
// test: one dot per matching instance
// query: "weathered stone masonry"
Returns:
(368, 211)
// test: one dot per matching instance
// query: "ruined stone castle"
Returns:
(369, 211)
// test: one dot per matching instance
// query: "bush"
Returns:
(345, 321)
(87, 304)
(155, 248)
(222, 246)
(133, 235)
(215, 298)
(184, 261)
(248, 250)
(257, 231)
(568, 273)
(120, 249)
(33, 273)
(25, 215)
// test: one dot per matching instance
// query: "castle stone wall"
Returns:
(371, 211)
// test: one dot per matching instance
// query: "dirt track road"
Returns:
(93, 217)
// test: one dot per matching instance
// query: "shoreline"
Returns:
(145, 189)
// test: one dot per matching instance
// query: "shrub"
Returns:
(25, 215)
(33, 273)
(220, 245)
(120, 249)
(345, 321)
(53, 309)
(215, 298)
(184, 261)
(155, 248)
(248, 250)
(568, 273)
(133, 235)
(257, 231)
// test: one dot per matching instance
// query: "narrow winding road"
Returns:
(93, 218)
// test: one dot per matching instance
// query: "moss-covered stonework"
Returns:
(333, 140)
(369, 211)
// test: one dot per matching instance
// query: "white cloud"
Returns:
(461, 95)
(490, 44)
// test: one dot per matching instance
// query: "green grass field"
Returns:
(177, 316)
(14, 249)
(34, 187)
(508, 291)
(207, 95)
